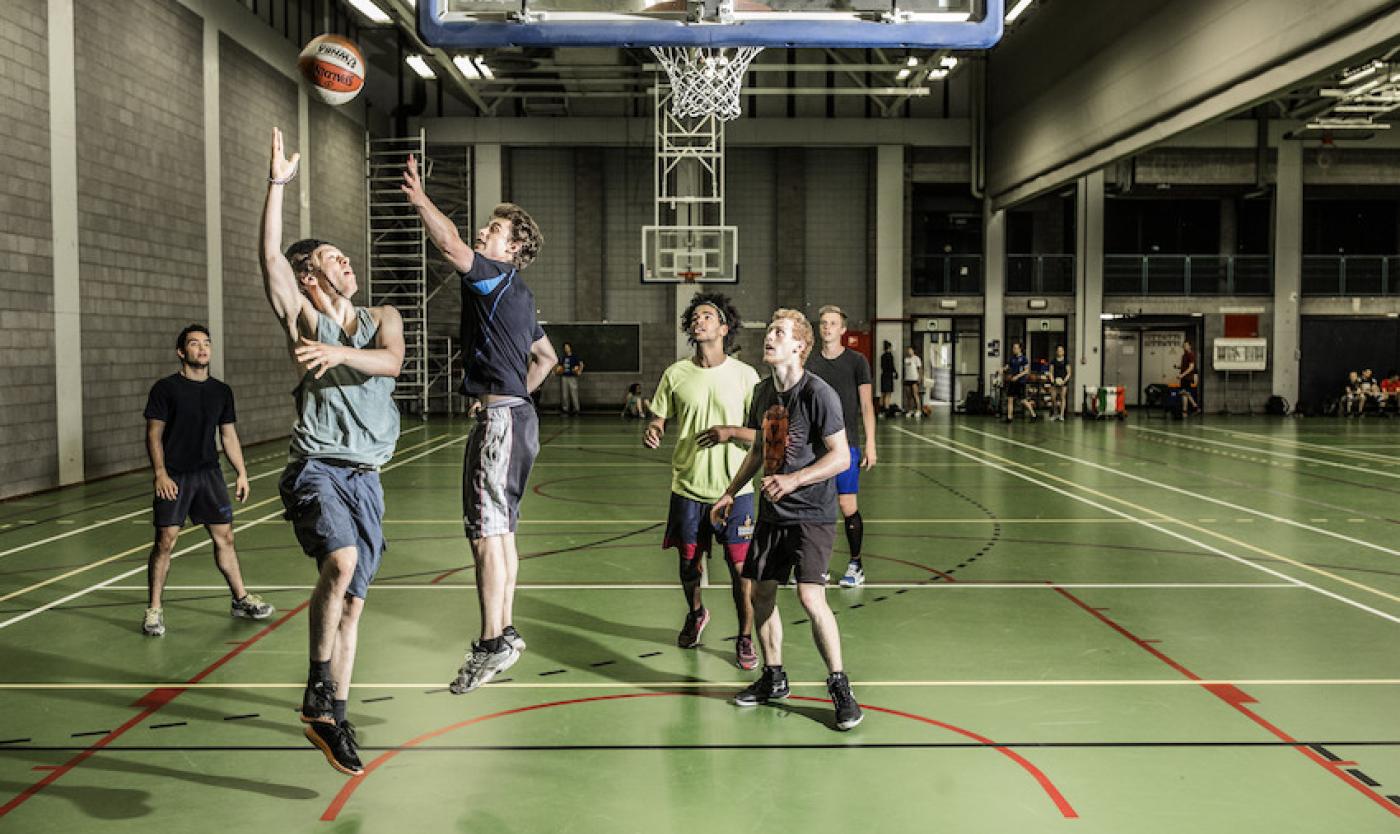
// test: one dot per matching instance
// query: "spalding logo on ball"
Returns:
(333, 67)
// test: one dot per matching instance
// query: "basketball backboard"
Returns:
(950, 24)
(690, 254)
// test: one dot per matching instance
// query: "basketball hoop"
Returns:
(688, 277)
(705, 81)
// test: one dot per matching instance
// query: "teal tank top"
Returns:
(346, 415)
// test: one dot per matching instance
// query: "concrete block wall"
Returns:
(252, 99)
(142, 238)
(839, 269)
(28, 434)
(541, 181)
(141, 211)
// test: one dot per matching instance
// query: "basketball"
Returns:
(333, 68)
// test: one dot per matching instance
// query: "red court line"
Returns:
(152, 701)
(338, 804)
(1237, 698)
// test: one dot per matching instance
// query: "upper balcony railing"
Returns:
(947, 275)
(1351, 275)
(1040, 275)
(1187, 275)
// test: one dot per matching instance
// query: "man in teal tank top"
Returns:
(346, 427)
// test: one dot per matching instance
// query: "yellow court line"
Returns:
(1157, 517)
(690, 684)
(144, 547)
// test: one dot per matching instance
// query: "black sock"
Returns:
(339, 707)
(493, 645)
(776, 670)
(855, 533)
(320, 671)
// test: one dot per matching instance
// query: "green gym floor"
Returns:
(1145, 626)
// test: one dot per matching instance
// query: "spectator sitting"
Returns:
(1390, 391)
(1371, 392)
(636, 406)
(1352, 401)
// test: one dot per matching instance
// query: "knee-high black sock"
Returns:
(855, 532)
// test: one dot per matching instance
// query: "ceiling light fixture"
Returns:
(467, 66)
(420, 66)
(1017, 10)
(370, 11)
(948, 62)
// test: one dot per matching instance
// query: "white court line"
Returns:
(930, 586)
(1270, 452)
(1182, 536)
(134, 513)
(1202, 497)
(692, 684)
(1336, 450)
(76, 594)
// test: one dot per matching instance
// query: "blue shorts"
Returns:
(334, 506)
(201, 497)
(688, 528)
(848, 482)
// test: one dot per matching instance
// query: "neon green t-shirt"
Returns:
(692, 399)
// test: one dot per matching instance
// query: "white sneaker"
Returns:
(853, 577)
(251, 607)
(481, 666)
(154, 623)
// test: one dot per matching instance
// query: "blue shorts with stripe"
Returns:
(848, 482)
(688, 528)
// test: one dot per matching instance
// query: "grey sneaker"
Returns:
(154, 623)
(481, 666)
(251, 607)
(513, 638)
(848, 712)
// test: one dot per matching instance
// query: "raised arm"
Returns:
(438, 225)
(542, 361)
(279, 281)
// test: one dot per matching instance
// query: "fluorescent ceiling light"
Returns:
(1369, 69)
(1347, 124)
(421, 67)
(903, 74)
(1017, 10)
(911, 61)
(938, 74)
(467, 66)
(485, 69)
(370, 11)
(948, 62)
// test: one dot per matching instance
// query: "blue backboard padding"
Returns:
(463, 34)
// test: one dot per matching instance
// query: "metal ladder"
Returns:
(396, 244)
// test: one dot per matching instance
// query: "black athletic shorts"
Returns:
(201, 497)
(780, 550)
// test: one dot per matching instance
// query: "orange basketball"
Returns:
(333, 67)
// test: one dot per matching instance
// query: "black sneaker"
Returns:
(318, 702)
(337, 742)
(848, 712)
(772, 685)
(695, 623)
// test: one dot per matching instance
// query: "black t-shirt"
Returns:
(498, 328)
(845, 374)
(791, 426)
(191, 411)
(887, 365)
(1059, 368)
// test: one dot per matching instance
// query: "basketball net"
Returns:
(705, 81)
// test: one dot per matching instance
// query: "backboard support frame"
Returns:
(517, 25)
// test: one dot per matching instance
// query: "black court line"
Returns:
(649, 654)
(241, 717)
(1394, 798)
(170, 724)
(594, 665)
(553, 672)
(1325, 753)
(90, 733)
(376, 700)
(1366, 780)
(16, 741)
(952, 745)
(434, 691)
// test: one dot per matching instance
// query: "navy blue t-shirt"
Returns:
(1059, 368)
(498, 328)
(1016, 364)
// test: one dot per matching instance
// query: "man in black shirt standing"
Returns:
(507, 355)
(182, 413)
(848, 374)
(801, 446)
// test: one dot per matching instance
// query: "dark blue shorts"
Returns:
(848, 482)
(688, 528)
(334, 506)
(201, 497)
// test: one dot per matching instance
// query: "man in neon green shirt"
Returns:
(708, 396)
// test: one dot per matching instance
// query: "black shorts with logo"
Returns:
(201, 497)
(780, 550)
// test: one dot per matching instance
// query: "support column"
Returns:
(1088, 283)
(994, 347)
(590, 238)
(213, 198)
(488, 181)
(889, 250)
(63, 193)
(1288, 269)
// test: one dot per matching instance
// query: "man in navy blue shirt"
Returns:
(506, 355)
(1014, 373)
